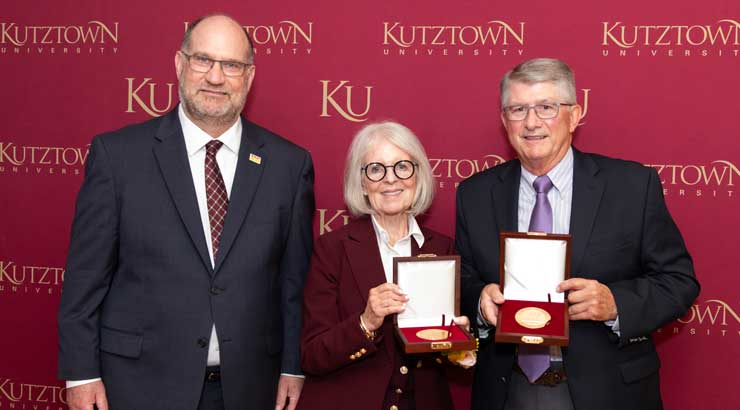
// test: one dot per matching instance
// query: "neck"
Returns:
(214, 127)
(539, 168)
(397, 226)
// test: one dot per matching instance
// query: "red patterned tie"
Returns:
(216, 197)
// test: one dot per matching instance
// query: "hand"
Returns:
(289, 387)
(589, 300)
(490, 298)
(83, 397)
(383, 300)
(462, 321)
(463, 358)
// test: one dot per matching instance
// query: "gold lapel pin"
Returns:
(255, 158)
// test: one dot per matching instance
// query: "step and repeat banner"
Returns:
(659, 84)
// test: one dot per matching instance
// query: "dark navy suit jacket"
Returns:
(622, 236)
(140, 294)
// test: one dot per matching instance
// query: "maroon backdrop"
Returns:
(659, 83)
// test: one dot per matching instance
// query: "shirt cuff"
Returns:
(75, 383)
(300, 376)
(614, 324)
(483, 325)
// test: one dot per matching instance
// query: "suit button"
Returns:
(216, 290)
(363, 351)
(399, 391)
(352, 357)
(404, 369)
(394, 407)
(503, 379)
(203, 342)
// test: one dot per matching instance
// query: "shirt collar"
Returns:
(561, 175)
(414, 231)
(196, 138)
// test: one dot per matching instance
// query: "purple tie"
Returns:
(533, 359)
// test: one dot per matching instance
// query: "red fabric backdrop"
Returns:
(659, 82)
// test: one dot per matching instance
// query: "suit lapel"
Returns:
(587, 192)
(505, 197)
(246, 180)
(363, 255)
(172, 158)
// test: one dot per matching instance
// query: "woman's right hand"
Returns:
(383, 300)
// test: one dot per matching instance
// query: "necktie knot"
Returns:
(542, 184)
(212, 147)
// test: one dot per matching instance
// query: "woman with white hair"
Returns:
(348, 350)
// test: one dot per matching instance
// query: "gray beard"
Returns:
(227, 119)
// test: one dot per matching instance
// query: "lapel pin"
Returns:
(255, 158)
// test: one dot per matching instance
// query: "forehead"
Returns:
(383, 150)
(522, 93)
(219, 37)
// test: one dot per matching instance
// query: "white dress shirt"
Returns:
(226, 157)
(402, 247)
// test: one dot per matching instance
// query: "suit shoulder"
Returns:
(277, 142)
(437, 239)
(620, 168)
(131, 133)
(486, 178)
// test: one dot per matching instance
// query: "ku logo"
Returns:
(331, 219)
(330, 92)
(144, 93)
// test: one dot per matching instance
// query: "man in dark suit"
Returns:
(630, 270)
(190, 244)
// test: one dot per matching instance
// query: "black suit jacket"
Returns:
(624, 237)
(140, 295)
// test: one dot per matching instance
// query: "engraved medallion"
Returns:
(532, 317)
(433, 334)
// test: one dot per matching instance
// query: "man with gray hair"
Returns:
(630, 270)
(190, 243)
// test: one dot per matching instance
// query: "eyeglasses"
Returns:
(544, 111)
(203, 64)
(375, 171)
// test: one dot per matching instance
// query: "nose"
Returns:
(215, 75)
(531, 121)
(390, 175)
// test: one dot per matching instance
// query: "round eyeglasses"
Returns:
(375, 171)
(202, 64)
(544, 111)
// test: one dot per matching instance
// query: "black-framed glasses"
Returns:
(375, 171)
(544, 111)
(202, 64)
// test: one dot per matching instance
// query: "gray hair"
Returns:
(363, 142)
(541, 70)
(185, 46)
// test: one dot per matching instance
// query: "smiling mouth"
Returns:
(394, 192)
(534, 137)
(213, 92)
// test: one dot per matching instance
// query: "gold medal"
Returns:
(532, 317)
(433, 334)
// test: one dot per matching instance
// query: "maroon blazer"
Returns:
(345, 265)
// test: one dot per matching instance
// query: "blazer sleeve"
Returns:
(294, 265)
(91, 262)
(668, 286)
(329, 341)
